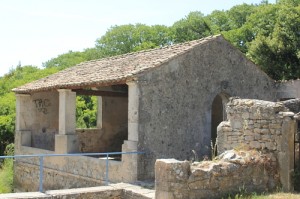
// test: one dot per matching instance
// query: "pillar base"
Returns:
(129, 161)
(66, 144)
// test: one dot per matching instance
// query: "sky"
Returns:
(34, 31)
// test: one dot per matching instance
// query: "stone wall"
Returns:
(235, 172)
(175, 100)
(264, 126)
(288, 89)
(90, 140)
(256, 147)
(253, 123)
(114, 124)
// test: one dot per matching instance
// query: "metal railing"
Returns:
(41, 161)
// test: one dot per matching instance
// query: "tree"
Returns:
(278, 53)
(193, 26)
(290, 2)
(86, 111)
(238, 15)
(218, 21)
(66, 60)
(129, 38)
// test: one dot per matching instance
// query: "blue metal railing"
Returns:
(41, 161)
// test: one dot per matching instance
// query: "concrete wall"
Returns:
(114, 126)
(264, 126)
(68, 172)
(176, 99)
(90, 140)
(39, 115)
(113, 191)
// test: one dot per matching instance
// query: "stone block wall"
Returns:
(235, 171)
(256, 153)
(255, 124)
(261, 125)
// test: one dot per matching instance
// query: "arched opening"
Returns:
(218, 115)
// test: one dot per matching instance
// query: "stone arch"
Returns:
(218, 114)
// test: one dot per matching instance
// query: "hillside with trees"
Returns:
(268, 34)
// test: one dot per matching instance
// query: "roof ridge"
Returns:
(196, 41)
(115, 69)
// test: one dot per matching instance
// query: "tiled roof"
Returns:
(110, 71)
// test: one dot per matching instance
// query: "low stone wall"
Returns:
(235, 171)
(113, 191)
(256, 147)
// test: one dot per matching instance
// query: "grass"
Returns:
(278, 196)
(275, 195)
(6, 171)
(6, 176)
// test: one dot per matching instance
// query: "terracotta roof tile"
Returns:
(109, 71)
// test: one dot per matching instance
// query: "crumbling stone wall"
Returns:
(262, 136)
(253, 123)
(236, 171)
(261, 125)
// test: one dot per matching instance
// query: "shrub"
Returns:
(6, 171)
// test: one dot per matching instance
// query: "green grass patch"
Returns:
(6, 176)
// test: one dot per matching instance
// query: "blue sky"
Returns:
(34, 31)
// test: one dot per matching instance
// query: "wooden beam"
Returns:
(100, 93)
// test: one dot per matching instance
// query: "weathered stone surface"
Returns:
(272, 129)
(215, 179)
(175, 120)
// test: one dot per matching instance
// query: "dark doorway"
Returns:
(217, 116)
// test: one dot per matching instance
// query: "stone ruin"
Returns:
(256, 154)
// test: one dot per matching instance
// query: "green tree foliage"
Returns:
(129, 38)
(66, 60)
(238, 15)
(193, 26)
(289, 2)
(219, 21)
(86, 111)
(280, 47)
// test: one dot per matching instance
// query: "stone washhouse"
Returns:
(165, 102)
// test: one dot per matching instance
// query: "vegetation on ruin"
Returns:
(268, 34)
